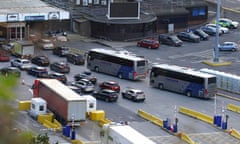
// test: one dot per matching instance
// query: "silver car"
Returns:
(85, 85)
(22, 64)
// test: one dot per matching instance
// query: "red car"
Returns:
(112, 85)
(150, 43)
(4, 57)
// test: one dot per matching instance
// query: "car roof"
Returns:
(135, 90)
(108, 90)
(227, 42)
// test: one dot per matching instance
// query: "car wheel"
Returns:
(123, 95)
(149, 47)
(160, 86)
(138, 45)
(189, 93)
(107, 99)
(96, 69)
(120, 75)
(233, 49)
(12, 64)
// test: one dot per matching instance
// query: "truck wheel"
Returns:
(96, 69)
(189, 93)
(160, 86)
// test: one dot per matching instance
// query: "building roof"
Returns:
(23, 8)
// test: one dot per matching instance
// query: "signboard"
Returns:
(124, 10)
(12, 17)
(34, 18)
(53, 15)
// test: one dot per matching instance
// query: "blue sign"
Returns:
(34, 18)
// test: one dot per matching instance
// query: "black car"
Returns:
(75, 89)
(61, 51)
(38, 71)
(106, 94)
(201, 34)
(40, 60)
(86, 75)
(6, 71)
(210, 30)
(76, 59)
(61, 67)
(59, 76)
(172, 40)
(188, 36)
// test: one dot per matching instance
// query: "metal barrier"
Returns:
(234, 133)
(186, 138)
(150, 117)
(233, 108)
(195, 114)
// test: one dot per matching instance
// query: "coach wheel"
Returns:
(96, 69)
(189, 93)
(120, 75)
(161, 86)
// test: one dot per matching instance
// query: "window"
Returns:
(41, 108)
(201, 11)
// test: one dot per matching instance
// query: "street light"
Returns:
(216, 50)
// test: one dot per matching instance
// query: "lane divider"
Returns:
(233, 108)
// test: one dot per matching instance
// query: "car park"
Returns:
(45, 44)
(228, 46)
(40, 60)
(172, 40)
(201, 34)
(22, 64)
(150, 43)
(10, 71)
(106, 95)
(59, 76)
(86, 75)
(76, 59)
(112, 85)
(188, 36)
(38, 71)
(85, 85)
(224, 30)
(133, 94)
(61, 67)
(228, 23)
(61, 51)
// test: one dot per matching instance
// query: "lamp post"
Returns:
(216, 50)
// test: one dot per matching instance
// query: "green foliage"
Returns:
(9, 133)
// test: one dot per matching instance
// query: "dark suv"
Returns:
(61, 51)
(76, 59)
(172, 40)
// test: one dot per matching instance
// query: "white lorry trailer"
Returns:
(122, 134)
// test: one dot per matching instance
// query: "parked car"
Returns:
(74, 88)
(10, 71)
(86, 75)
(150, 43)
(133, 94)
(45, 44)
(172, 40)
(228, 23)
(211, 30)
(201, 34)
(61, 51)
(59, 76)
(85, 85)
(4, 56)
(76, 59)
(112, 85)
(228, 46)
(106, 95)
(61, 67)
(8, 46)
(40, 60)
(188, 36)
(38, 71)
(22, 64)
(224, 30)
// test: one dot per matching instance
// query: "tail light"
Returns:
(134, 74)
(205, 91)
